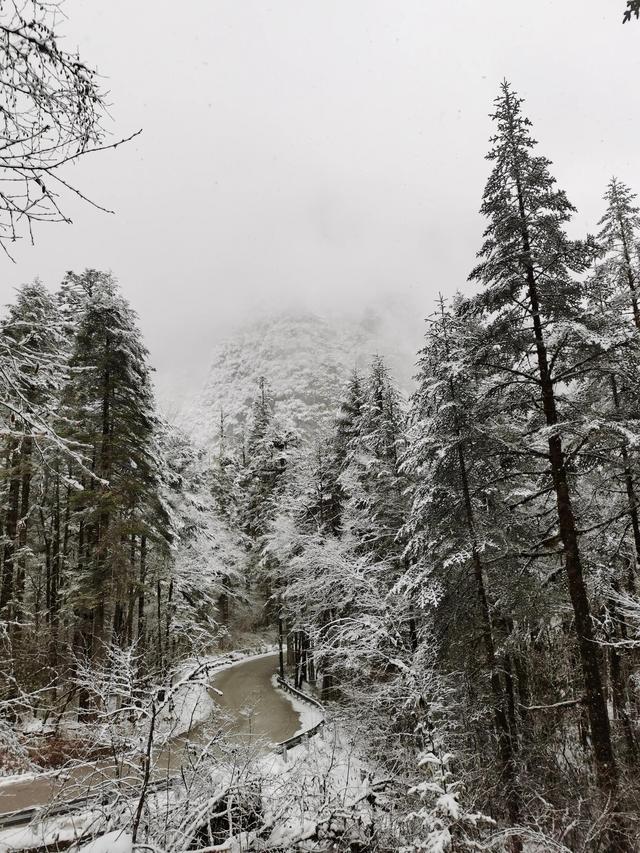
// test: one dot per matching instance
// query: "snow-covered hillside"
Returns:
(306, 359)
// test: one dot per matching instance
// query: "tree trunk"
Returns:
(606, 769)
(280, 649)
(141, 601)
(104, 518)
(628, 480)
(11, 527)
(505, 740)
(618, 689)
(159, 619)
(633, 295)
(23, 526)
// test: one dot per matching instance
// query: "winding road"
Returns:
(258, 713)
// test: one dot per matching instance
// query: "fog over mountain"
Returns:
(306, 358)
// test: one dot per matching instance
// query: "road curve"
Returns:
(258, 712)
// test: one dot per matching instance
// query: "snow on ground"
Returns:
(47, 833)
(305, 788)
(299, 791)
(191, 704)
(64, 830)
(310, 716)
(113, 842)
(7, 781)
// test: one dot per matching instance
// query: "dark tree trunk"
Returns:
(290, 644)
(280, 649)
(223, 608)
(606, 768)
(607, 771)
(304, 648)
(506, 741)
(628, 480)
(311, 664)
(633, 294)
(104, 517)
(618, 688)
(11, 527)
(168, 621)
(23, 528)
(413, 633)
(159, 619)
(141, 601)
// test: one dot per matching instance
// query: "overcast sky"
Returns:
(322, 151)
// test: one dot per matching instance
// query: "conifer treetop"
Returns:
(622, 216)
(526, 214)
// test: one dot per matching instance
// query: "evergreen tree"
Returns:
(456, 511)
(371, 477)
(611, 388)
(109, 400)
(205, 568)
(265, 461)
(347, 424)
(31, 337)
(532, 303)
(618, 238)
(347, 427)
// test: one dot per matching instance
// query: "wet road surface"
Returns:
(259, 711)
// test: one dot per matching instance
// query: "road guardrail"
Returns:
(284, 746)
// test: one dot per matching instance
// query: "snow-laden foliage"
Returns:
(455, 576)
(111, 534)
(199, 538)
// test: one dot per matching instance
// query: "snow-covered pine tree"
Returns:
(32, 366)
(457, 518)
(531, 302)
(347, 422)
(109, 401)
(444, 821)
(206, 551)
(265, 460)
(612, 292)
(346, 429)
(618, 237)
(371, 478)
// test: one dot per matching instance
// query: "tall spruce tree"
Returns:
(619, 239)
(265, 461)
(32, 339)
(347, 426)
(612, 294)
(531, 299)
(110, 401)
